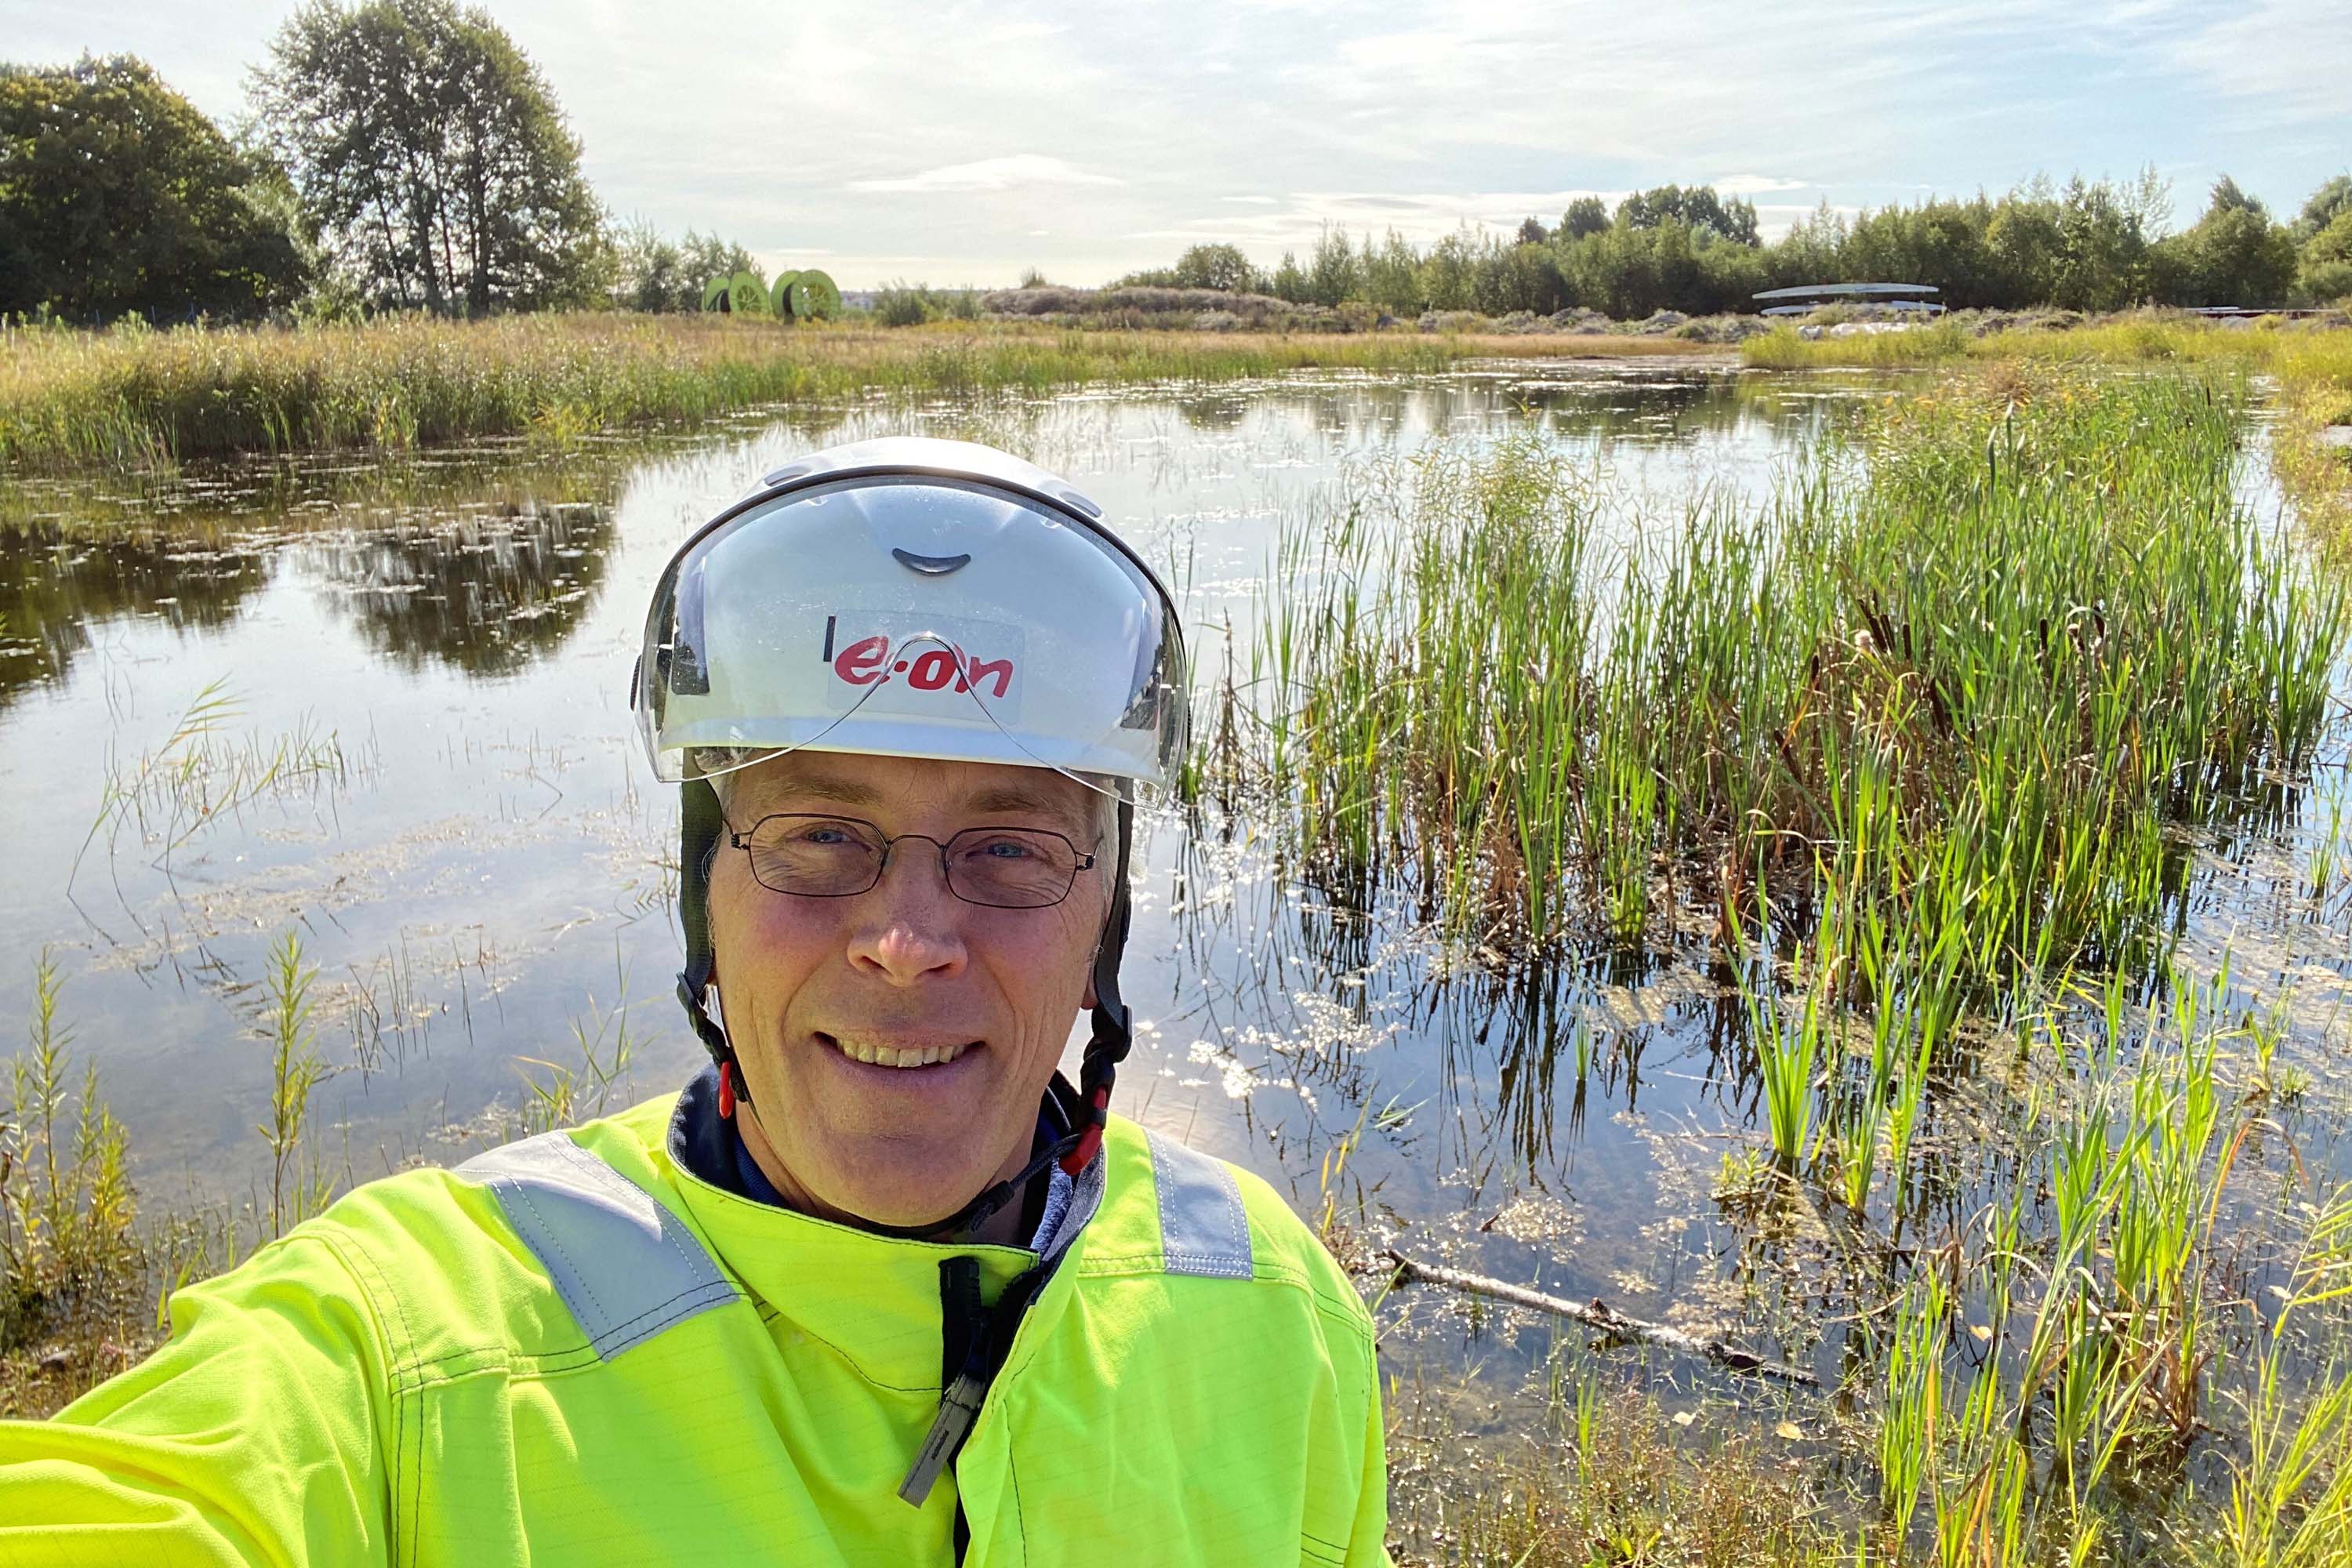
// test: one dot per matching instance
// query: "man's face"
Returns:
(808, 986)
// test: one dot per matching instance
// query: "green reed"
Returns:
(1981, 668)
(2311, 363)
(2108, 1347)
(1922, 743)
(134, 397)
(295, 1071)
(66, 1203)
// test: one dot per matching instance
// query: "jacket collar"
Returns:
(873, 1299)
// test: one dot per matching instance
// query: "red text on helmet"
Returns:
(867, 662)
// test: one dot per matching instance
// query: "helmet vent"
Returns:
(929, 565)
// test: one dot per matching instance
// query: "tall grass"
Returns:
(1931, 735)
(136, 397)
(66, 1202)
(1982, 682)
(295, 1071)
(2083, 1366)
(85, 1284)
(2312, 368)
(606, 1047)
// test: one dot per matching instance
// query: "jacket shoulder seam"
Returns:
(353, 1251)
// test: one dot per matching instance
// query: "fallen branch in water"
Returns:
(1611, 1322)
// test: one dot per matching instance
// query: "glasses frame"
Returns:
(740, 839)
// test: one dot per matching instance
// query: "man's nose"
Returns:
(911, 926)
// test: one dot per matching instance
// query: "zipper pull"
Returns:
(959, 1408)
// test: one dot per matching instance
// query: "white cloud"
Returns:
(993, 175)
(1252, 201)
(2278, 62)
(1756, 184)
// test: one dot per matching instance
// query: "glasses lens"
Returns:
(1011, 868)
(821, 856)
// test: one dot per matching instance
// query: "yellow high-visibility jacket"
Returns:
(573, 1350)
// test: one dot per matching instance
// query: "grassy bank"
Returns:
(2312, 368)
(136, 397)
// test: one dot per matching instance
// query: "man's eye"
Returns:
(825, 836)
(1005, 849)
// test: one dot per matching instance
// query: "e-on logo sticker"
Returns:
(935, 669)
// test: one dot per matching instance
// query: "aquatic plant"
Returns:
(296, 1070)
(142, 399)
(2312, 366)
(66, 1202)
(561, 1093)
(1980, 673)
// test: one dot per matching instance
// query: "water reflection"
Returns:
(57, 587)
(482, 592)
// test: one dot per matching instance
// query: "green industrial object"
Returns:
(793, 296)
(813, 295)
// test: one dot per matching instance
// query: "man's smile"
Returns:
(899, 1053)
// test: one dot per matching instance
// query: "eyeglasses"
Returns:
(841, 856)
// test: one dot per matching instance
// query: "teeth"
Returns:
(885, 1057)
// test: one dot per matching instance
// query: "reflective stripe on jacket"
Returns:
(573, 1350)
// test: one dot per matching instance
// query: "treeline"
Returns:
(407, 156)
(2086, 246)
(401, 155)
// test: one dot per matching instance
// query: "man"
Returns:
(879, 1287)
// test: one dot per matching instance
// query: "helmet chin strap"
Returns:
(700, 825)
(1113, 1030)
(699, 822)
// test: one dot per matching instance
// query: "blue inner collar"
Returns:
(704, 1142)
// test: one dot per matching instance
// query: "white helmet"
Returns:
(912, 598)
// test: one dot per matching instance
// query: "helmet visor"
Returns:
(914, 616)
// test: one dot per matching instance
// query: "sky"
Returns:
(954, 143)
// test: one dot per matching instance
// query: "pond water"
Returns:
(382, 705)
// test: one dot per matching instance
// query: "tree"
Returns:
(1332, 274)
(2083, 249)
(2233, 255)
(2324, 274)
(2327, 204)
(1390, 275)
(430, 158)
(1813, 250)
(2227, 198)
(650, 273)
(116, 193)
(1289, 281)
(1449, 276)
(1697, 208)
(1220, 266)
(1939, 242)
(1520, 277)
(1532, 231)
(1585, 214)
